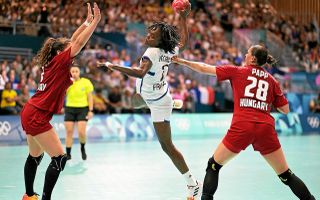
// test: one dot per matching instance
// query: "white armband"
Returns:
(86, 23)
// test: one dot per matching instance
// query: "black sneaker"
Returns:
(83, 154)
(68, 156)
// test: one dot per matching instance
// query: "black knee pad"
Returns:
(58, 163)
(212, 164)
(36, 160)
(286, 176)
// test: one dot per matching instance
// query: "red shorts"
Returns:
(35, 121)
(263, 137)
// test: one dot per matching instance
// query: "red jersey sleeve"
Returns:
(63, 59)
(279, 98)
(226, 72)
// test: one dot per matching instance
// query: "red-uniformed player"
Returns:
(55, 59)
(255, 91)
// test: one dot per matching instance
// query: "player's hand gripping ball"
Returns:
(180, 5)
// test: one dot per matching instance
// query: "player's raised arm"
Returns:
(84, 36)
(183, 27)
(196, 66)
(84, 25)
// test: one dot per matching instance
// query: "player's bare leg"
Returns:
(82, 126)
(51, 144)
(69, 125)
(278, 162)
(220, 157)
(30, 167)
(163, 131)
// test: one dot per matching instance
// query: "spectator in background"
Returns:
(8, 100)
(126, 99)
(314, 104)
(2, 83)
(43, 19)
(115, 100)
(23, 97)
(100, 102)
(286, 87)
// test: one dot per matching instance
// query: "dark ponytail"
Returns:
(262, 55)
(271, 60)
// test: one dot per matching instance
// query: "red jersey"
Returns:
(254, 91)
(55, 80)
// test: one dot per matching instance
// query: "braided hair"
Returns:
(49, 50)
(169, 38)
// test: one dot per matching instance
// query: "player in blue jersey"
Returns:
(163, 41)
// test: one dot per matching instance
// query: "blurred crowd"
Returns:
(209, 23)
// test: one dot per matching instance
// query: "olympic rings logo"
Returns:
(5, 128)
(314, 122)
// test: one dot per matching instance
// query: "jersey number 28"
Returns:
(262, 90)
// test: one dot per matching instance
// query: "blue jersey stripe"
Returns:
(141, 85)
(151, 73)
(157, 99)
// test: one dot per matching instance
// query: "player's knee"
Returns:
(286, 177)
(82, 137)
(58, 163)
(213, 165)
(167, 148)
(36, 160)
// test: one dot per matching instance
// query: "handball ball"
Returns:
(179, 5)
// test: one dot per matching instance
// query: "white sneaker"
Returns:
(177, 103)
(195, 192)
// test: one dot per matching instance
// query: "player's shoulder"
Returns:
(229, 67)
(153, 50)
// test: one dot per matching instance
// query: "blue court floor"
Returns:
(141, 171)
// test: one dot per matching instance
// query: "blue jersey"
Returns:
(153, 85)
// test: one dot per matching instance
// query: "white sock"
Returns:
(189, 179)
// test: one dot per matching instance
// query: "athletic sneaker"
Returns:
(68, 156)
(34, 197)
(194, 192)
(177, 103)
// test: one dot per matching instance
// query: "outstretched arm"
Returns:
(84, 25)
(184, 33)
(196, 66)
(138, 72)
(85, 35)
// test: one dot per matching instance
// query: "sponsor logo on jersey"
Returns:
(159, 86)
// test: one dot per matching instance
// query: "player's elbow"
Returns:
(140, 75)
(284, 109)
(76, 47)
